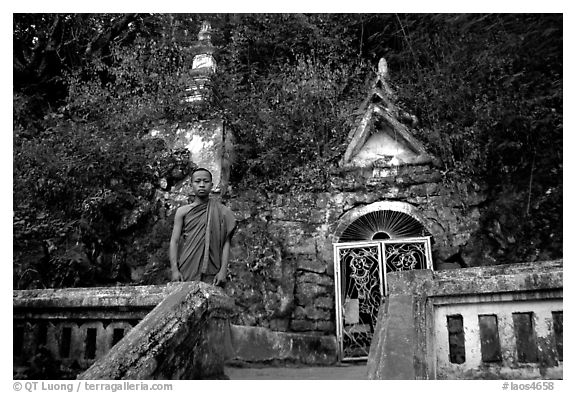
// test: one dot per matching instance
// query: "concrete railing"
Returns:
(485, 322)
(145, 332)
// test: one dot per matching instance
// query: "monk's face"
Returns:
(201, 183)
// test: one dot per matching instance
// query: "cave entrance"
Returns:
(369, 247)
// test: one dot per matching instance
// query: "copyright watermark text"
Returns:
(89, 386)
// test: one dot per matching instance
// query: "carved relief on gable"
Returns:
(380, 139)
(383, 149)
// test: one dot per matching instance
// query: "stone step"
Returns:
(250, 344)
(338, 372)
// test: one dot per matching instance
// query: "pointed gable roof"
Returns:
(378, 137)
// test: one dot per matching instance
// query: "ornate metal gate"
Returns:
(360, 276)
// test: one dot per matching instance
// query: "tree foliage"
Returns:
(84, 174)
(289, 85)
(487, 90)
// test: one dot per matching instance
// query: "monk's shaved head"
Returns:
(202, 170)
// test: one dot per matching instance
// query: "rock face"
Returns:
(282, 269)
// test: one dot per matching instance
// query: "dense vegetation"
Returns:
(487, 90)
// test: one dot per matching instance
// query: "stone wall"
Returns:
(282, 272)
(450, 212)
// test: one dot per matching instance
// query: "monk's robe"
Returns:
(206, 226)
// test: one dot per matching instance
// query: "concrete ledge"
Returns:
(261, 345)
(479, 280)
(404, 339)
(545, 275)
(184, 337)
(123, 296)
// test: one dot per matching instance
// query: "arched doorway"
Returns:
(372, 241)
(383, 225)
(397, 219)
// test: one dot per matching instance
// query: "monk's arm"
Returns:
(221, 276)
(173, 251)
(225, 256)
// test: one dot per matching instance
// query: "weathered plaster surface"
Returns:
(422, 300)
(204, 61)
(186, 336)
(204, 140)
(41, 315)
(509, 367)
(147, 296)
(382, 145)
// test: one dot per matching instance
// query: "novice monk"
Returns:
(200, 243)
